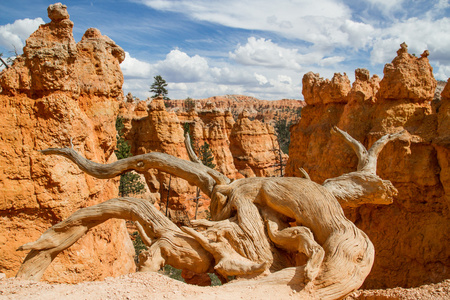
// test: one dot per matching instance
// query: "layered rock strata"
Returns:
(411, 235)
(266, 111)
(60, 93)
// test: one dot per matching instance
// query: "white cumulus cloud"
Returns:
(13, 36)
(261, 79)
(284, 79)
(181, 67)
(358, 35)
(194, 76)
(134, 68)
(264, 52)
(419, 35)
(442, 72)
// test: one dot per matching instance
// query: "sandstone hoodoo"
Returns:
(411, 235)
(254, 146)
(242, 148)
(60, 93)
(267, 110)
(212, 126)
(153, 129)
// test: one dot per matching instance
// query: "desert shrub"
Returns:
(172, 272)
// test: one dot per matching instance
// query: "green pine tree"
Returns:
(283, 135)
(130, 183)
(189, 104)
(206, 156)
(158, 88)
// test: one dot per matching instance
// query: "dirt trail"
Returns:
(157, 286)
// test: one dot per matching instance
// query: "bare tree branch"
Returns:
(367, 160)
(192, 156)
(359, 148)
(304, 173)
(363, 186)
(376, 148)
(203, 177)
(154, 224)
(6, 65)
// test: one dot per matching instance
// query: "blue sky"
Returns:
(259, 48)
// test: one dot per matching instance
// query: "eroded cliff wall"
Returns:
(242, 148)
(254, 147)
(265, 110)
(411, 236)
(56, 94)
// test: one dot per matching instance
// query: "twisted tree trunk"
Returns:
(259, 224)
(175, 247)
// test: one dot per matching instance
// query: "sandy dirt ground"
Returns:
(158, 286)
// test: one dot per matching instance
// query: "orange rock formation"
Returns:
(242, 148)
(411, 235)
(254, 147)
(213, 126)
(57, 93)
(154, 129)
(266, 110)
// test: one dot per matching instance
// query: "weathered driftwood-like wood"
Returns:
(347, 249)
(192, 156)
(363, 186)
(259, 224)
(203, 177)
(298, 239)
(228, 261)
(172, 246)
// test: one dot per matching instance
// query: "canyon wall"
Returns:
(411, 235)
(151, 128)
(60, 93)
(213, 126)
(242, 148)
(254, 147)
(264, 110)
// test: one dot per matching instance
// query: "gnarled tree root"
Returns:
(340, 255)
(177, 248)
(298, 239)
(228, 261)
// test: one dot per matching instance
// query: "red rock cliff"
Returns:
(57, 91)
(411, 235)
